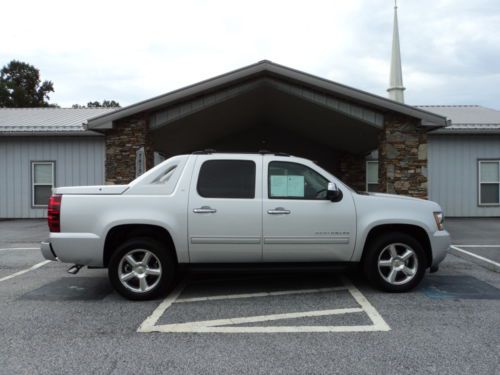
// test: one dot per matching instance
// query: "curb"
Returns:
(474, 258)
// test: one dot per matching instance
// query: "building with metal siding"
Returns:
(457, 159)
(453, 167)
(41, 148)
(35, 143)
(370, 142)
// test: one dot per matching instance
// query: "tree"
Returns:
(105, 104)
(96, 104)
(21, 87)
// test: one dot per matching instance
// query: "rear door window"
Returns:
(227, 179)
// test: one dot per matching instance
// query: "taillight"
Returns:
(54, 213)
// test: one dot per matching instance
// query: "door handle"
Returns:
(204, 210)
(279, 211)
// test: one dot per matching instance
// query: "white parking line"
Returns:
(153, 318)
(372, 313)
(221, 325)
(262, 294)
(38, 265)
(215, 326)
(475, 255)
(477, 245)
(20, 248)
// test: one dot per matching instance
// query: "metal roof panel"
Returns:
(467, 119)
(47, 120)
(465, 114)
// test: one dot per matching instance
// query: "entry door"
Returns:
(225, 209)
(299, 223)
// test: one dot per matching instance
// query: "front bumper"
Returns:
(440, 243)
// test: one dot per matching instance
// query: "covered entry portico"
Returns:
(267, 114)
(266, 106)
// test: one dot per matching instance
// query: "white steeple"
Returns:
(396, 88)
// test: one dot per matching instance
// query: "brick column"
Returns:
(403, 157)
(122, 143)
(352, 170)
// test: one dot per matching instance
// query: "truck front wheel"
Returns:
(395, 262)
(141, 269)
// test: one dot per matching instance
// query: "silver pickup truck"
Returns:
(241, 209)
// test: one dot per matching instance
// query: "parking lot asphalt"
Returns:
(474, 231)
(23, 233)
(224, 323)
(476, 236)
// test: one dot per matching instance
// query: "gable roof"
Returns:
(467, 119)
(48, 121)
(270, 69)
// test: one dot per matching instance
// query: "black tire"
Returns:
(379, 276)
(160, 258)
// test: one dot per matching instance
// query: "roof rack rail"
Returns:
(261, 152)
(204, 152)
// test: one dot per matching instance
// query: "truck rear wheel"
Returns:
(395, 262)
(141, 269)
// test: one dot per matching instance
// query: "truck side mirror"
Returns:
(333, 192)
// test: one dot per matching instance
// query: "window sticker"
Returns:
(287, 186)
(278, 186)
(295, 186)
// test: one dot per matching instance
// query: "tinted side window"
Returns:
(295, 181)
(227, 179)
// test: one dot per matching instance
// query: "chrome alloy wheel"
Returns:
(397, 263)
(139, 270)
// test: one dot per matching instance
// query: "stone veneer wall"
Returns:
(122, 142)
(353, 170)
(403, 157)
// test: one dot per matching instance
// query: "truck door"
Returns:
(299, 223)
(225, 209)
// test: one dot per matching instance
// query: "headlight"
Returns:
(439, 217)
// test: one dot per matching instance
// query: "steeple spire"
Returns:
(396, 88)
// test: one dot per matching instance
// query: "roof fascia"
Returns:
(429, 119)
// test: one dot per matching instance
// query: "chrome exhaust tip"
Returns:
(74, 269)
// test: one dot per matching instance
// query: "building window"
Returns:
(489, 182)
(372, 175)
(42, 180)
(295, 181)
(227, 179)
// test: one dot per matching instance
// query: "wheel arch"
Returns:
(417, 232)
(121, 233)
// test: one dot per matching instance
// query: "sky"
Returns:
(133, 50)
